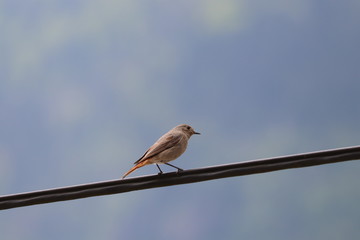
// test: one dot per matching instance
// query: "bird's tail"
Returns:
(139, 165)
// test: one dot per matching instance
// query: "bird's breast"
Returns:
(173, 152)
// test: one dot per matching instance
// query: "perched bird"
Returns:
(169, 147)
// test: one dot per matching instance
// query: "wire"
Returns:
(187, 176)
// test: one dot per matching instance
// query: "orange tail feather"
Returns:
(139, 165)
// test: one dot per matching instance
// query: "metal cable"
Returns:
(187, 176)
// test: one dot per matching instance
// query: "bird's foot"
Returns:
(160, 172)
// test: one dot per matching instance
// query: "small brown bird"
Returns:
(169, 147)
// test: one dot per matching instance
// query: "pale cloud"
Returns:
(30, 38)
(7, 168)
(228, 16)
(223, 16)
(145, 96)
(297, 11)
(67, 105)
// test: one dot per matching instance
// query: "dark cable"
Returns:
(187, 176)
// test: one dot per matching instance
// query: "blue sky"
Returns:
(87, 86)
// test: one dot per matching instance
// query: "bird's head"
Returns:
(187, 129)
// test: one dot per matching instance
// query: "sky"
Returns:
(87, 86)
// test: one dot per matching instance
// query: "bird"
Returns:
(167, 148)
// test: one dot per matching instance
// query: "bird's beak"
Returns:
(197, 133)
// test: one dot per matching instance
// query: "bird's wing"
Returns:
(165, 142)
(141, 159)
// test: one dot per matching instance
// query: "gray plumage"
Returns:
(169, 147)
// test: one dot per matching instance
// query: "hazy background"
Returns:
(87, 86)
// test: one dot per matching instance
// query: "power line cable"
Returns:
(187, 176)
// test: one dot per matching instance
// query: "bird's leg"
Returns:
(179, 169)
(160, 172)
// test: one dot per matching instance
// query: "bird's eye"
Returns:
(188, 128)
